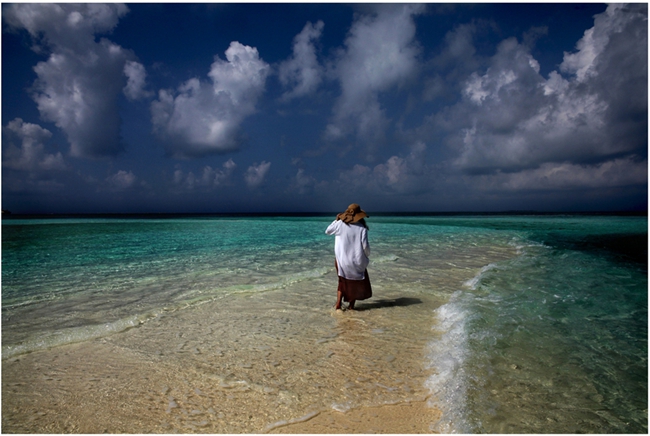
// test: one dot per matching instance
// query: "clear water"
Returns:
(553, 340)
(522, 324)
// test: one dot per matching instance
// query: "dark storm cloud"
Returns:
(523, 127)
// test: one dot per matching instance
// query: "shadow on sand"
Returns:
(393, 302)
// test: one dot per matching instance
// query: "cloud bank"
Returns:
(549, 176)
(584, 116)
(210, 178)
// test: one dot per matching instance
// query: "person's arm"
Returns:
(333, 228)
(364, 242)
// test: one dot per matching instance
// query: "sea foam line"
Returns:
(447, 356)
(474, 282)
(283, 282)
(74, 335)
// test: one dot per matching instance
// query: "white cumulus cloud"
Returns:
(380, 52)
(30, 154)
(200, 117)
(77, 88)
(398, 175)
(584, 62)
(136, 83)
(513, 119)
(255, 174)
(403, 174)
(302, 183)
(302, 73)
(121, 180)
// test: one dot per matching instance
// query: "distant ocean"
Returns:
(545, 330)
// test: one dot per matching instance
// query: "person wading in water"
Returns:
(351, 249)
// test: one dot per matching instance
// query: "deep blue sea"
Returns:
(540, 322)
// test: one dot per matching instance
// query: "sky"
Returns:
(308, 107)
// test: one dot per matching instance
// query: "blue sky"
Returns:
(255, 107)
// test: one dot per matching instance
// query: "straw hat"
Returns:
(353, 214)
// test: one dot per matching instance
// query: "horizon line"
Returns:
(9, 214)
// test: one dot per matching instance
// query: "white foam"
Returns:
(342, 407)
(74, 335)
(474, 282)
(522, 244)
(447, 356)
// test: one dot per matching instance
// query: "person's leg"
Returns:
(339, 294)
(339, 297)
(351, 306)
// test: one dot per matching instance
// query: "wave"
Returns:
(451, 353)
(474, 282)
(448, 356)
(76, 334)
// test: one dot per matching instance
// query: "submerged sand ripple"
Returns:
(277, 361)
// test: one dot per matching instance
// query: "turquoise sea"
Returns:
(533, 323)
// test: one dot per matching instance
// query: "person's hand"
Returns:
(338, 217)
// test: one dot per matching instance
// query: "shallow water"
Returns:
(507, 324)
(553, 340)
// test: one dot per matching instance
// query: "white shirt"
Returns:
(351, 249)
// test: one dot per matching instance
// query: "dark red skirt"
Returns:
(354, 290)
